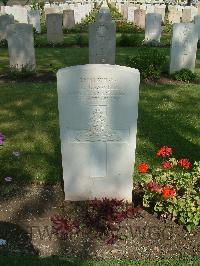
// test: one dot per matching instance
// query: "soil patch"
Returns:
(25, 224)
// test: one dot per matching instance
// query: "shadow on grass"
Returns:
(29, 121)
(18, 241)
(168, 115)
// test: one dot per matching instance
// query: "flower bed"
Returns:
(172, 190)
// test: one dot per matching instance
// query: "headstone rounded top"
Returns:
(104, 10)
(95, 67)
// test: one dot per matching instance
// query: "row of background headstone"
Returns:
(20, 35)
(102, 39)
(22, 13)
(176, 12)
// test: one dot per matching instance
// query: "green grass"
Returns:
(58, 261)
(51, 59)
(168, 115)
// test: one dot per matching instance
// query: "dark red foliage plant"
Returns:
(100, 216)
(64, 227)
(104, 216)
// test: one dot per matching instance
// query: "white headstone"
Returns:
(98, 109)
(68, 19)
(197, 23)
(34, 19)
(184, 47)
(102, 39)
(5, 20)
(54, 28)
(153, 27)
(131, 10)
(174, 17)
(21, 46)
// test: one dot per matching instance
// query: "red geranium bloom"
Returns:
(168, 192)
(185, 163)
(143, 168)
(164, 152)
(167, 165)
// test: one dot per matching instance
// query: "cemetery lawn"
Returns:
(58, 261)
(168, 115)
(49, 60)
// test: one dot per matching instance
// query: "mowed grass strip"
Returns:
(52, 59)
(62, 261)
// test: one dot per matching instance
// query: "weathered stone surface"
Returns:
(34, 19)
(54, 28)
(102, 39)
(139, 18)
(131, 10)
(161, 11)
(5, 20)
(98, 109)
(68, 19)
(197, 23)
(21, 46)
(184, 47)
(174, 17)
(153, 27)
(187, 15)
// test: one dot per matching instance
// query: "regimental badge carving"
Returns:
(99, 130)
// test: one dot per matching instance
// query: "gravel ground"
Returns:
(25, 224)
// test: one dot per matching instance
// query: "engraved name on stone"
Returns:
(97, 88)
(98, 91)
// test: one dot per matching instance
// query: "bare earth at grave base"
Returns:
(25, 223)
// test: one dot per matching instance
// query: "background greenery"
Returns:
(168, 115)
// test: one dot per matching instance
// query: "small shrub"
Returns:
(127, 27)
(3, 44)
(43, 28)
(167, 28)
(126, 40)
(114, 12)
(150, 63)
(184, 75)
(81, 40)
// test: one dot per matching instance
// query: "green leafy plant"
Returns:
(167, 28)
(3, 43)
(184, 75)
(127, 40)
(149, 62)
(127, 27)
(81, 40)
(172, 189)
(114, 12)
(38, 5)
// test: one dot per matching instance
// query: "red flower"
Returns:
(164, 152)
(143, 168)
(185, 163)
(154, 187)
(168, 192)
(167, 165)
